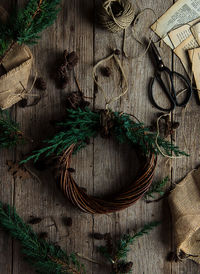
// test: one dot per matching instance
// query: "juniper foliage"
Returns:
(45, 258)
(82, 124)
(157, 188)
(118, 256)
(10, 134)
(24, 25)
(78, 127)
(137, 133)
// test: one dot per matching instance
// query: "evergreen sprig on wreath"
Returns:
(10, 133)
(80, 125)
(44, 257)
(24, 25)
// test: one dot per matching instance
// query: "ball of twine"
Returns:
(116, 15)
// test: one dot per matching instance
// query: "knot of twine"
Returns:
(116, 15)
(106, 123)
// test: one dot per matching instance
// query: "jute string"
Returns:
(121, 20)
(158, 130)
(124, 80)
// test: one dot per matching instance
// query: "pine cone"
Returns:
(106, 71)
(76, 100)
(124, 267)
(65, 54)
(61, 72)
(43, 235)
(72, 60)
(41, 84)
(67, 221)
(64, 81)
(117, 52)
(109, 242)
(98, 236)
(71, 170)
(71, 57)
(23, 103)
(35, 221)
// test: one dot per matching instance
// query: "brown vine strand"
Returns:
(117, 202)
(36, 12)
(64, 265)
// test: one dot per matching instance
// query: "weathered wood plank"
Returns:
(148, 255)
(72, 31)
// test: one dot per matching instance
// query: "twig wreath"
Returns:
(74, 134)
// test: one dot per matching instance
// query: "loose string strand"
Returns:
(124, 89)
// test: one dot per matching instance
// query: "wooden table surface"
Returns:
(103, 166)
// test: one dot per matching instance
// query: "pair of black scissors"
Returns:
(170, 92)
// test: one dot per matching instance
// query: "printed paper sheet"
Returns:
(182, 12)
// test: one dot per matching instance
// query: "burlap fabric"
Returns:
(184, 202)
(17, 65)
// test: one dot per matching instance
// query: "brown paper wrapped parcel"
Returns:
(17, 64)
(184, 203)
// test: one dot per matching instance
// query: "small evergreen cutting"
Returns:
(10, 133)
(44, 257)
(116, 253)
(24, 25)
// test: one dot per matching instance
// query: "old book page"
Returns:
(182, 51)
(178, 35)
(182, 12)
(195, 29)
(194, 55)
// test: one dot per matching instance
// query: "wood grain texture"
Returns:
(103, 166)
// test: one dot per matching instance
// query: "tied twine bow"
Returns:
(116, 15)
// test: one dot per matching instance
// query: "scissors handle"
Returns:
(165, 90)
(170, 94)
(188, 92)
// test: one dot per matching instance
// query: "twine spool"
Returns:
(116, 15)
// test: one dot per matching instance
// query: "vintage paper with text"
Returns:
(194, 55)
(182, 52)
(178, 35)
(182, 12)
(195, 29)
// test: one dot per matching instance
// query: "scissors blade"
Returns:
(156, 55)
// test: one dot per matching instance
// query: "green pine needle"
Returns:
(127, 240)
(24, 25)
(10, 134)
(118, 254)
(44, 257)
(80, 125)
(137, 133)
(157, 188)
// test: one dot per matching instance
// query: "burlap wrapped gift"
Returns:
(17, 66)
(184, 202)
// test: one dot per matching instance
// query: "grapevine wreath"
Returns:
(75, 132)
